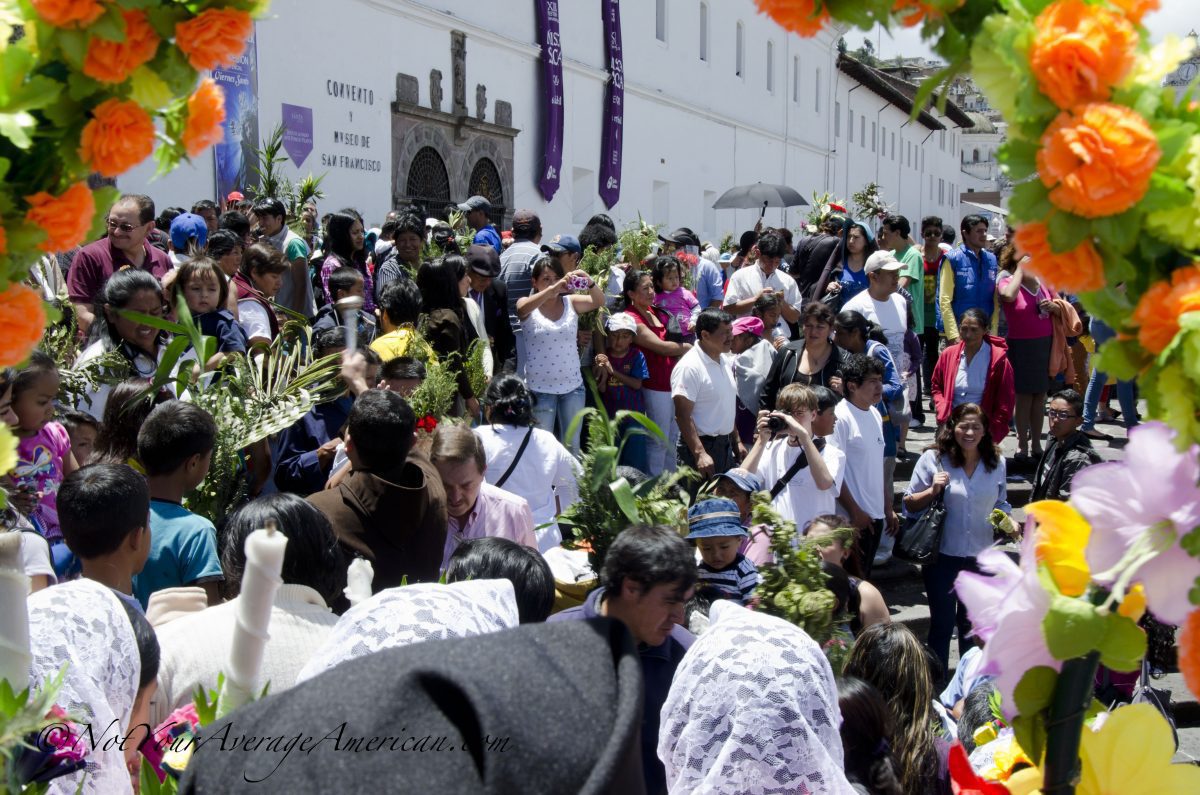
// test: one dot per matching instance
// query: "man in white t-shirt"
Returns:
(859, 434)
(750, 282)
(803, 474)
(704, 390)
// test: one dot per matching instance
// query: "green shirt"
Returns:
(914, 269)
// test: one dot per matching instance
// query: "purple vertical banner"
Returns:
(297, 132)
(614, 106)
(235, 157)
(552, 96)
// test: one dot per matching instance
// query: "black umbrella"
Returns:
(760, 194)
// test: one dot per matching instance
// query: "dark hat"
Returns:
(713, 518)
(476, 203)
(574, 729)
(562, 243)
(526, 218)
(185, 227)
(483, 260)
(681, 237)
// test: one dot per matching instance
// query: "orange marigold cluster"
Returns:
(799, 16)
(69, 13)
(1189, 652)
(1157, 313)
(216, 37)
(1079, 270)
(114, 61)
(1080, 52)
(1136, 9)
(206, 114)
(66, 218)
(22, 318)
(1097, 159)
(119, 136)
(913, 12)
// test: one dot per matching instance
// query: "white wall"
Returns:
(693, 128)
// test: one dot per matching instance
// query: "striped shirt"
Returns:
(517, 274)
(736, 581)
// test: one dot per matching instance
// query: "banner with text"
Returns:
(552, 96)
(235, 157)
(614, 106)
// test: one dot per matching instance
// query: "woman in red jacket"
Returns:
(976, 370)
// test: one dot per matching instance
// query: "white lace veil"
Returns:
(415, 613)
(83, 624)
(753, 708)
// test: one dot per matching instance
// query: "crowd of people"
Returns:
(791, 366)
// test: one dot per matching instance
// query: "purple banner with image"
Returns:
(614, 106)
(297, 132)
(552, 96)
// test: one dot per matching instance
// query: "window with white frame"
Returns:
(771, 67)
(660, 20)
(739, 51)
(704, 31)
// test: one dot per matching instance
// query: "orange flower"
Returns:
(913, 12)
(119, 136)
(1080, 52)
(1157, 313)
(69, 13)
(1079, 270)
(1136, 9)
(66, 218)
(798, 16)
(1189, 652)
(22, 318)
(216, 37)
(1097, 159)
(206, 115)
(113, 61)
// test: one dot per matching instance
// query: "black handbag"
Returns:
(920, 538)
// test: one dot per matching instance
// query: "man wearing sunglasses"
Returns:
(129, 222)
(1068, 451)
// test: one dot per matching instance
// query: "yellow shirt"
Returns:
(394, 344)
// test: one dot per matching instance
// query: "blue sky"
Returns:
(1175, 16)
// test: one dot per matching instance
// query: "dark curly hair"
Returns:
(946, 444)
(509, 401)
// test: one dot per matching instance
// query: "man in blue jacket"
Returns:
(647, 577)
(967, 280)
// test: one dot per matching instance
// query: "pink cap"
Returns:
(750, 324)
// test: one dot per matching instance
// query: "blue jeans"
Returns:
(945, 611)
(1101, 333)
(633, 454)
(547, 408)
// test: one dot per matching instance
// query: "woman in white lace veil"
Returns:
(83, 624)
(753, 708)
(415, 613)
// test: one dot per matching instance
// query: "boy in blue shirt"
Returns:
(175, 447)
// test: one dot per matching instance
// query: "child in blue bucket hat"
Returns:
(715, 525)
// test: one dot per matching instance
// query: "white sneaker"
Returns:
(912, 423)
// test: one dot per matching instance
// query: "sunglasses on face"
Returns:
(933, 233)
(1055, 414)
(126, 228)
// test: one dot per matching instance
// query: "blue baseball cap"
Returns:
(744, 479)
(562, 243)
(715, 518)
(185, 227)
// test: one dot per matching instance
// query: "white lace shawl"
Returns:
(83, 624)
(753, 708)
(415, 613)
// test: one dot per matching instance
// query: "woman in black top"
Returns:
(813, 361)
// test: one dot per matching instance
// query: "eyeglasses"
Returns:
(1055, 414)
(126, 228)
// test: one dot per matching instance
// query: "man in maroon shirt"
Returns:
(129, 222)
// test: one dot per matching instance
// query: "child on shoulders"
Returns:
(724, 572)
(205, 289)
(678, 301)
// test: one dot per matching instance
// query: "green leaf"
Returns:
(648, 424)
(73, 44)
(1030, 201)
(1072, 627)
(17, 127)
(1173, 139)
(1035, 691)
(626, 500)
(1118, 232)
(604, 465)
(1164, 193)
(1066, 231)
(111, 26)
(1019, 157)
(160, 323)
(1122, 359)
(1124, 644)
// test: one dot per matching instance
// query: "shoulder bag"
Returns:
(920, 538)
(516, 459)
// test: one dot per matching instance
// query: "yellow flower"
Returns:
(1062, 536)
(1133, 606)
(1132, 753)
(1163, 58)
(1025, 782)
(8, 449)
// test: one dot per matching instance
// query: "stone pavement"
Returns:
(901, 583)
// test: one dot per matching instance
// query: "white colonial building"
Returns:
(433, 101)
